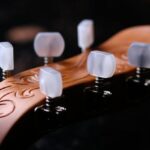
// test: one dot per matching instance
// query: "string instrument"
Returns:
(20, 93)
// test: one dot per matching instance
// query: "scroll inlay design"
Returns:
(6, 108)
(24, 85)
(24, 89)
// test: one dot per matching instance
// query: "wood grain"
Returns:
(20, 93)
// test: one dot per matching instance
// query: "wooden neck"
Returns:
(20, 93)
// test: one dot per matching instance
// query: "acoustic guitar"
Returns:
(20, 93)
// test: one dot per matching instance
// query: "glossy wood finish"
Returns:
(20, 93)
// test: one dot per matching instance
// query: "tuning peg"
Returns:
(139, 57)
(101, 65)
(85, 30)
(6, 58)
(50, 82)
(52, 113)
(48, 45)
(97, 97)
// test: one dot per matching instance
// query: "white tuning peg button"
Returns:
(49, 44)
(6, 56)
(101, 64)
(85, 30)
(139, 55)
(50, 82)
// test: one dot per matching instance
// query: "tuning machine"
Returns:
(85, 30)
(139, 57)
(49, 45)
(102, 66)
(52, 112)
(6, 59)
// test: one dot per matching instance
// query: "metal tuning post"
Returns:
(49, 45)
(6, 59)
(139, 57)
(51, 113)
(85, 31)
(101, 65)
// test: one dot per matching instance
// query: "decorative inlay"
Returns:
(24, 86)
(6, 108)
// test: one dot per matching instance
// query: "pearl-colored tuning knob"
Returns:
(85, 32)
(49, 44)
(50, 82)
(101, 64)
(50, 114)
(139, 55)
(6, 56)
(6, 59)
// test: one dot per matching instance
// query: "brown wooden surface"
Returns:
(20, 93)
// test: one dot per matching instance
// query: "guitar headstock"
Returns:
(20, 93)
